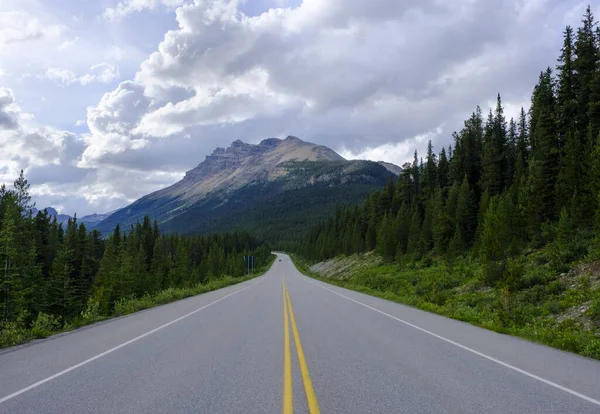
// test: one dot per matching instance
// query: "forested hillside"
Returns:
(53, 278)
(501, 186)
(515, 203)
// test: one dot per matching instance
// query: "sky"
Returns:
(104, 101)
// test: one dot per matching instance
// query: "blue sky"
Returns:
(107, 100)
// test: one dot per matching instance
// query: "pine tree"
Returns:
(511, 161)
(386, 238)
(430, 176)
(585, 66)
(465, 213)
(566, 98)
(426, 239)
(494, 171)
(10, 289)
(22, 186)
(441, 226)
(443, 170)
(496, 237)
(404, 223)
(523, 145)
(546, 153)
(414, 234)
(61, 288)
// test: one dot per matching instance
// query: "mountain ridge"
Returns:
(89, 220)
(232, 181)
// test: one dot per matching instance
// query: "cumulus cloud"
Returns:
(100, 73)
(24, 145)
(127, 7)
(373, 80)
(8, 110)
(397, 153)
(352, 72)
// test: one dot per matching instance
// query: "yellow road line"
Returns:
(288, 407)
(313, 406)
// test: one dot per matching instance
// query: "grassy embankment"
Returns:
(557, 309)
(46, 325)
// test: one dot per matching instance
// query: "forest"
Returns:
(510, 208)
(54, 278)
(501, 185)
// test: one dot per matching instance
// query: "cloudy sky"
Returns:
(103, 101)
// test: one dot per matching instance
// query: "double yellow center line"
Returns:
(288, 406)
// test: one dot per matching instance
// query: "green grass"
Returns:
(541, 307)
(45, 325)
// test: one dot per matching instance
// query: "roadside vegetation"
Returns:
(54, 280)
(502, 229)
(559, 310)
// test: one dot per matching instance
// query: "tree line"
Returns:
(502, 186)
(58, 272)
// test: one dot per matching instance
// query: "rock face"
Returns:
(241, 164)
(232, 182)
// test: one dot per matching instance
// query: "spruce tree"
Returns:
(443, 170)
(466, 218)
(546, 153)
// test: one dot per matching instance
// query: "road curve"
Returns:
(226, 352)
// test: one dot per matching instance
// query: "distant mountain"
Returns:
(61, 218)
(90, 220)
(276, 189)
(93, 219)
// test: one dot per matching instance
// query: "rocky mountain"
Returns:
(61, 218)
(268, 188)
(90, 220)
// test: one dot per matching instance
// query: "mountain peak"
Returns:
(242, 163)
(270, 142)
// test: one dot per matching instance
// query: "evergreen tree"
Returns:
(10, 287)
(496, 237)
(495, 158)
(414, 233)
(442, 224)
(546, 153)
(430, 176)
(443, 170)
(465, 213)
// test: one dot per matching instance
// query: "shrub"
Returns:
(92, 311)
(45, 325)
(11, 333)
(594, 310)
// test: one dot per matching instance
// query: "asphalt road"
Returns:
(226, 352)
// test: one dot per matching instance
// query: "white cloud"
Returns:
(20, 26)
(64, 76)
(24, 144)
(127, 7)
(100, 73)
(373, 79)
(395, 152)
(361, 77)
(9, 111)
